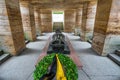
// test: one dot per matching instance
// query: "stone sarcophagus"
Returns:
(58, 44)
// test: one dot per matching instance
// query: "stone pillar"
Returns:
(84, 20)
(70, 20)
(107, 27)
(112, 41)
(90, 21)
(46, 20)
(78, 21)
(11, 30)
(27, 12)
(37, 20)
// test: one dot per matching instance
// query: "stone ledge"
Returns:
(115, 58)
(117, 52)
(4, 57)
(1, 52)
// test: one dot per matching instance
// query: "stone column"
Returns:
(46, 20)
(27, 12)
(78, 21)
(70, 19)
(107, 27)
(37, 20)
(11, 30)
(90, 21)
(84, 20)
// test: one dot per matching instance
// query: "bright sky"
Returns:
(58, 17)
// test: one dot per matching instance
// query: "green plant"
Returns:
(57, 12)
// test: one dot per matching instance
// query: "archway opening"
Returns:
(58, 20)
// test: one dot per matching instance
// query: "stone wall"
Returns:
(11, 31)
(78, 17)
(78, 21)
(37, 20)
(70, 20)
(32, 22)
(27, 13)
(101, 21)
(88, 19)
(112, 41)
(91, 13)
(46, 20)
(84, 20)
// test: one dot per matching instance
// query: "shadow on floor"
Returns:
(78, 39)
(87, 51)
(40, 40)
(29, 51)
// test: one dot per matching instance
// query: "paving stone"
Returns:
(82, 75)
(105, 77)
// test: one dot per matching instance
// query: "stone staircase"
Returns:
(3, 56)
(27, 41)
(90, 41)
(115, 57)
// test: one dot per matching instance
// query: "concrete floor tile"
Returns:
(30, 77)
(82, 75)
(105, 78)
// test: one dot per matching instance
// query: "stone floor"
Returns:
(95, 67)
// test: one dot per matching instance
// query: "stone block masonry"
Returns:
(37, 20)
(46, 20)
(70, 20)
(107, 27)
(11, 30)
(28, 20)
(88, 20)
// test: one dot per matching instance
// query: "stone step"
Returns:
(27, 41)
(4, 57)
(1, 52)
(117, 52)
(90, 41)
(115, 58)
